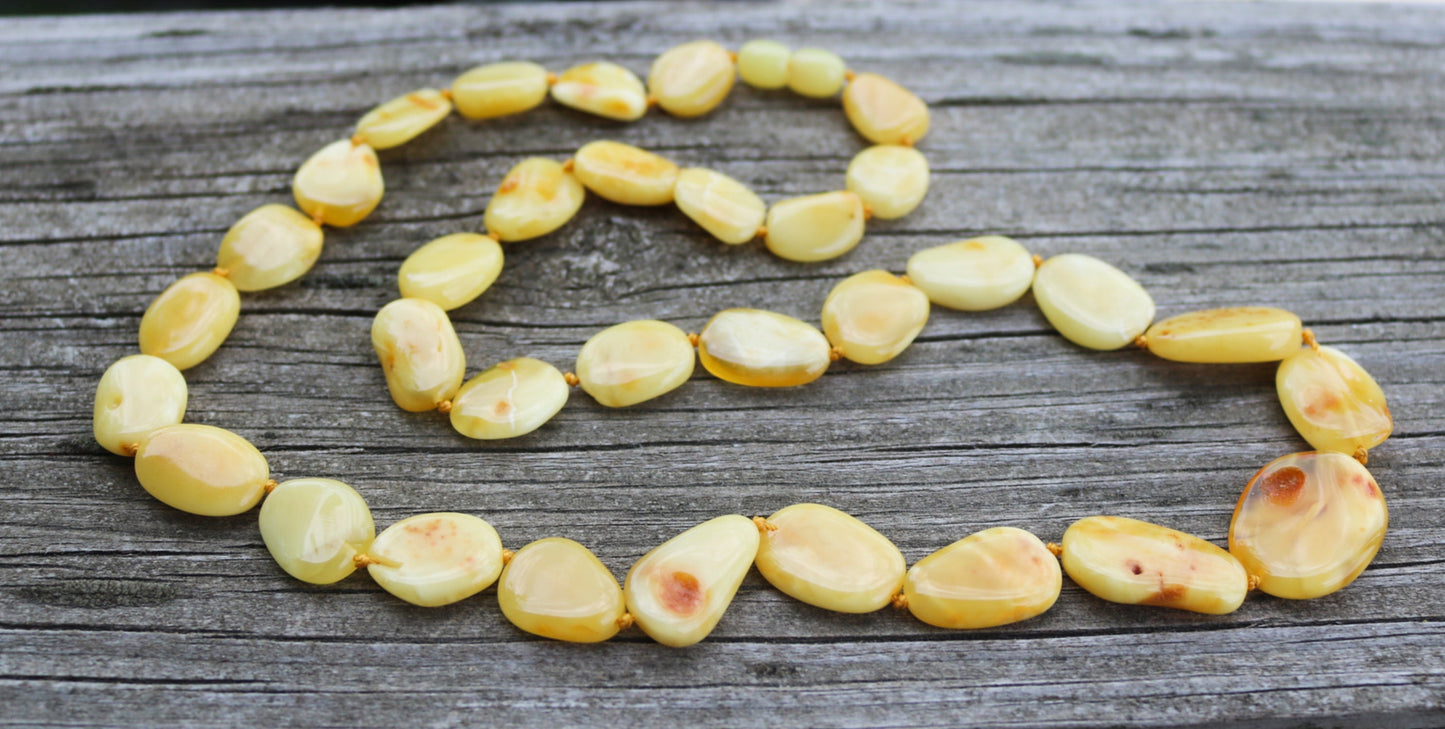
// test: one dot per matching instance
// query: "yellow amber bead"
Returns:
(270, 246)
(419, 352)
(452, 270)
(1332, 401)
(402, 119)
(625, 174)
(827, 558)
(763, 64)
(499, 89)
(873, 316)
(816, 72)
(815, 227)
(602, 88)
(1238, 334)
(679, 591)
(536, 197)
(509, 400)
(189, 321)
(201, 469)
(315, 527)
(890, 179)
(1137, 563)
(995, 577)
(691, 79)
(1308, 524)
(557, 588)
(975, 274)
(1091, 303)
(341, 184)
(436, 559)
(723, 206)
(136, 395)
(762, 349)
(884, 112)
(634, 361)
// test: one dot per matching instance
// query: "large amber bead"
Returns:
(452, 270)
(270, 246)
(635, 361)
(691, 79)
(995, 577)
(499, 89)
(419, 352)
(762, 349)
(975, 274)
(884, 112)
(509, 400)
(339, 185)
(679, 591)
(315, 527)
(201, 469)
(188, 322)
(815, 227)
(827, 558)
(1332, 401)
(873, 316)
(890, 179)
(136, 395)
(625, 174)
(402, 119)
(436, 559)
(1238, 334)
(602, 88)
(1091, 303)
(1137, 563)
(537, 197)
(721, 205)
(557, 588)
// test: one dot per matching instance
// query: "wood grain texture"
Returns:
(1288, 155)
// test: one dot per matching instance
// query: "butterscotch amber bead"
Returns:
(634, 362)
(995, 577)
(268, 247)
(1137, 563)
(975, 274)
(763, 64)
(452, 270)
(884, 112)
(816, 72)
(762, 349)
(890, 179)
(873, 316)
(499, 89)
(1091, 303)
(436, 559)
(402, 119)
(188, 322)
(137, 395)
(201, 469)
(315, 527)
(625, 174)
(723, 206)
(1237, 334)
(509, 400)
(691, 79)
(1332, 401)
(536, 197)
(419, 353)
(815, 227)
(827, 558)
(679, 591)
(339, 185)
(602, 88)
(557, 588)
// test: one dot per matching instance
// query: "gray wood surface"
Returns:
(1278, 154)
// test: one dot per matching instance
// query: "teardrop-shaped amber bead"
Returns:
(634, 361)
(830, 559)
(339, 185)
(816, 72)
(815, 227)
(315, 527)
(557, 588)
(1237, 334)
(1137, 563)
(509, 400)
(890, 179)
(499, 89)
(436, 559)
(188, 322)
(1332, 401)
(975, 274)
(419, 352)
(602, 88)
(137, 395)
(884, 112)
(452, 270)
(625, 174)
(763, 64)
(873, 316)
(537, 197)
(691, 79)
(268, 247)
(995, 577)
(402, 119)
(723, 206)
(679, 591)
(1091, 303)
(762, 349)
(201, 469)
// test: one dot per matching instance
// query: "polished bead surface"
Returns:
(340, 185)
(1332, 401)
(511, 399)
(419, 352)
(884, 112)
(873, 316)
(1237, 334)
(762, 349)
(1308, 524)
(625, 174)
(402, 119)
(723, 206)
(188, 322)
(635, 361)
(830, 559)
(557, 588)
(890, 179)
(816, 72)
(315, 527)
(536, 197)
(201, 469)
(499, 89)
(994, 577)
(452, 270)
(763, 64)
(1091, 303)
(602, 88)
(268, 247)
(815, 227)
(136, 395)
(1137, 563)
(679, 591)
(436, 559)
(973, 275)
(691, 79)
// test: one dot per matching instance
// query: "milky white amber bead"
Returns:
(723, 206)
(499, 89)
(762, 349)
(1237, 334)
(873, 316)
(815, 227)
(136, 395)
(452, 270)
(1332, 401)
(557, 588)
(1091, 303)
(419, 352)
(679, 591)
(634, 361)
(315, 527)
(890, 179)
(691, 79)
(816, 72)
(602, 88)
(341, 184)
(536, 197)
(884, 112)
(1308, 524)
(994, 577)
(625, 174)
(436, 559)
(1137, 563)
(201, 469)
(270, 246)
(975, 274)
(188, 322)
(400, 120)
(763, 64)
(509, 400)
(827, 558)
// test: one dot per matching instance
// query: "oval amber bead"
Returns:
(763, 64)
(816, 72)
(419, 352)
(188, 322)
(890, 179)
(723, 206)
(602, 88)
(452, 270)
(1332, 401)
(827, 558)
(557, 588)
(339, 185)
(873, 316)
(679, 591)
(315, 527)
(815, 227)
(1238, 334)
(1091, 303)
(762, 349)
(995, 577)
(136, 395)
(536, 197)
(625, 174)
(884, 112)
(270, 246)
(634, 361)
(402, 119)
(1137, 563)
(1308, 524)
(436, 559)
(691, 79)
(511, 399)
(499, 89)
(973, 275)
(201, 469)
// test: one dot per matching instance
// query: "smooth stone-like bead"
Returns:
(602, 88)
(536, 197)
(499, 89)
(691, 79)
(762, 349)
(679, 591)
(815, 227)
(188, 322)
(402, 119)
(816, 72)
(723, 206)
(830, 559)
(634, 361)
(890, 179)
(873, 316)
(509, 400)
(763, 64)
(340, 185)
(1137, 563)
(1236, 334)
(884, 112)
(201, 469)
(1332, 401)
(625, 174)
(436, 559)
(452, 270)
(994, 577)
(975, 274)
(419, 352)
(136, 395)
(315, 527)
(1091, 303)
(558, 589)
(268, 247)
(1308, 524)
